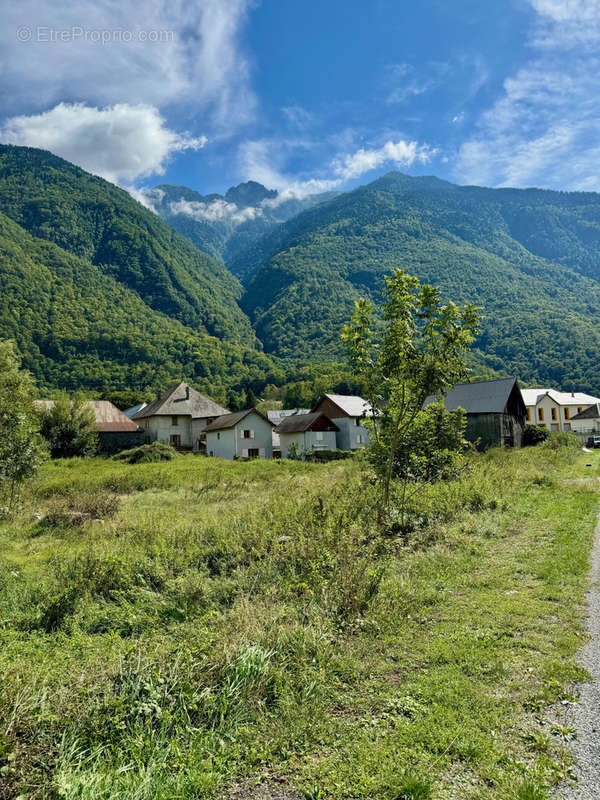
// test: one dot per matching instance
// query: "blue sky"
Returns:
(308, 96)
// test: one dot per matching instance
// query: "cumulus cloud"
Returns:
(544, 129)
(259, 161)
(120, 143)
(162, 52)
(216, 211)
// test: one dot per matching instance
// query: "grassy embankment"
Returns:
(229, 623)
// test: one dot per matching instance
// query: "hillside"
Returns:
(98, 292)
(102, 224)
(226, 226)
(529, 258)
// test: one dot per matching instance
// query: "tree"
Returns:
(21, 446)
(69, 427)
(419, 353)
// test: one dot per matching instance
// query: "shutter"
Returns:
(252, 434)
(261, 452)
(241, 433)
(245, 452)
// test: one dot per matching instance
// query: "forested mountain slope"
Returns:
(528, 258)
(102, 224)
(226, 226)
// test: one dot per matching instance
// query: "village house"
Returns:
(116, 432)
(587, 422)
(244, 434)
(348, 412)
(178, 417)
(555, 410)
(276, 416)
(306, 433)
(495, 411)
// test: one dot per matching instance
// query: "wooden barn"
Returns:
(495, 411)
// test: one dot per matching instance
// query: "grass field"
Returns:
(194, 628)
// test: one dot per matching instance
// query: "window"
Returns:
(567, 426)
(528, 414)
(175, 440)
(253, 452)
(553, 413)
(359, 439)
(541, 415)
(218, 435)
(247, 434)
(579, 409)
(567, 413)
(357, 421)
(174, 420)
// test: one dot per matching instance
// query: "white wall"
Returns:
(563, 419)
(347, 438)
(307, 442)
(231, 443)
(160, 428)
(221, 444)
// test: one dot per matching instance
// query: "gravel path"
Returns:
(584, 716)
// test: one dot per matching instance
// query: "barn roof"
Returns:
(279, 414)
(299, 423)
(479, 397)
(352, 405)
(182, 399)
(226, 421)
(593, 412)
(109, 419)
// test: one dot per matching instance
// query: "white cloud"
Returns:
(263, 161)
(544, 130)
(120, 143)
(197, 56)
(215, 211)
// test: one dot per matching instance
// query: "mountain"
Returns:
(227, 226)
(529, 258)
(98, 292)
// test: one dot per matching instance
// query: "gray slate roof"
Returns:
(302, 422)
(279, 414)
(180, 398)
(226, 421)
(593, 412)
(480, 397)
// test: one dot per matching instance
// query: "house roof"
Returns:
(279, 414)
(479, 397)
(182, 399)
(131, 412)
(533, 396)
(593, 412)
(303, 422)
(226, 421)
(109, 419)
(351, 405)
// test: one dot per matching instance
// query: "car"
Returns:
(593, 441)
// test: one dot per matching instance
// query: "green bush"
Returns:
(147, 454)
(534, 434)
(330, 455)
(557, 441)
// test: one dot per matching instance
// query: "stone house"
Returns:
(244, 434)
(178, 417)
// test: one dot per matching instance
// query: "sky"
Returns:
(307, 96)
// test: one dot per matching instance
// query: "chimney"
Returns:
(187, 392)
(572, 394)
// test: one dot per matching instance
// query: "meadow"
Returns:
(203, 629)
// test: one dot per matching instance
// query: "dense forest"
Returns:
(101, 294)
(536, 281)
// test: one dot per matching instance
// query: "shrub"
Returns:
(534, 434)
(147, 454)
(330, 455)
(557, 441)
(69, 427)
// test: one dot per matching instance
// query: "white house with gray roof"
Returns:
(244, 434)
(556, 410)
(178, 417)
(348, 412)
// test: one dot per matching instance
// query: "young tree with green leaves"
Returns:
(419, 353)
(69, 427)
(21, 446)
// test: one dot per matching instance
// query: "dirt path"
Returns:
(584, 716)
